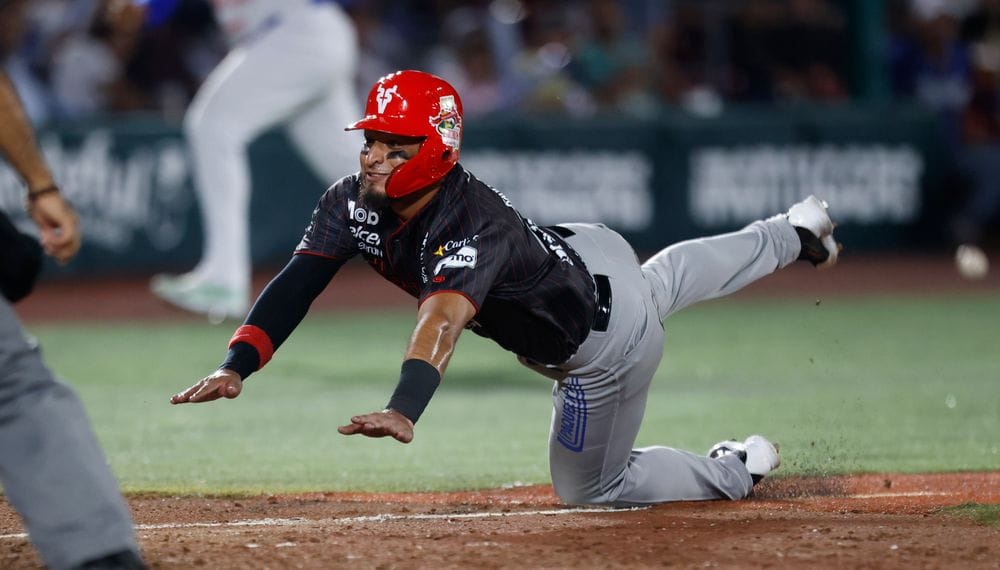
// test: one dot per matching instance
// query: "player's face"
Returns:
(381, 153)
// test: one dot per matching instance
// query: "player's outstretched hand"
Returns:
(381, 424)
(220, 384)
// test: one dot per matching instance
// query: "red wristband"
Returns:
(257, 338)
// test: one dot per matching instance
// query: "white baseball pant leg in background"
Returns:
(299, 72)
(599, 405)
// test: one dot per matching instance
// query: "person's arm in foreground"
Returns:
(279, 309)
(54, 216)
(440, 320)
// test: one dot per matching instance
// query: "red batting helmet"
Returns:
(416, 104)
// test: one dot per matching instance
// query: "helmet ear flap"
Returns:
(416, 174)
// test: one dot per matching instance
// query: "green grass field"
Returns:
(846, 385)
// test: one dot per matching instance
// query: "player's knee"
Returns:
(578, 495)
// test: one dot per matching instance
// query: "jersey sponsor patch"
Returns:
(359, 214)
(465, 257)
(362, 226)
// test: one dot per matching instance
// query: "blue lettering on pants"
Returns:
(573, 423)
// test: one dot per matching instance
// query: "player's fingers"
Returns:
(54, 244)
(59, 234)
(377, 424)
(55, 236)
(65, 251)
(208, 392)
(373, 429)
(181, 397)
(384, 427)
(349, 429)
(382, 424)
(62, 254)
(357, 425)
(367, 422)
(203, 391)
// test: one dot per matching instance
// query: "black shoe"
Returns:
(123, 560)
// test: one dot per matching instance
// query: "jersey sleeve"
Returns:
(328, 233)
(465, 262)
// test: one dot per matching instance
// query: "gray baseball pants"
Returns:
(600, 395)
(51, 467)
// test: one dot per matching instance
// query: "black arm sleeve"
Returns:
(282, 306)
(20, 261)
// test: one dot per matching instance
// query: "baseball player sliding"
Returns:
(571, 301)
(293, 62)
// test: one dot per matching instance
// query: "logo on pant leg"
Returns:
(573, 421)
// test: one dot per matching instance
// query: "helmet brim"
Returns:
(383, 124)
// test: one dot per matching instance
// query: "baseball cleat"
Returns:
(815, 228)
(762, 456)
(728, 447)
(123, 560)
(756, 452)
(215, 301)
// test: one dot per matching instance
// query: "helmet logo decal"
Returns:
(384, 96)
(448, 123)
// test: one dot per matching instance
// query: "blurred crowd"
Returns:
(575, 57)
(69, 59)
(945, 55)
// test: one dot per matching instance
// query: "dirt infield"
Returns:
(871, 521)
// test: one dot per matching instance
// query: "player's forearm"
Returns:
(427, 356)
(440, 320)
(17, 140)
(433, 341)
(278, 311)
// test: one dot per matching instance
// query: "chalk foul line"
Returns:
(301, 521)
(906, 494)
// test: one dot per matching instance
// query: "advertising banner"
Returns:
(657, 182)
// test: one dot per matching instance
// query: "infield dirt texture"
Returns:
(864, 521)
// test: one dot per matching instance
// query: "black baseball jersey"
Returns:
(532, 293)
